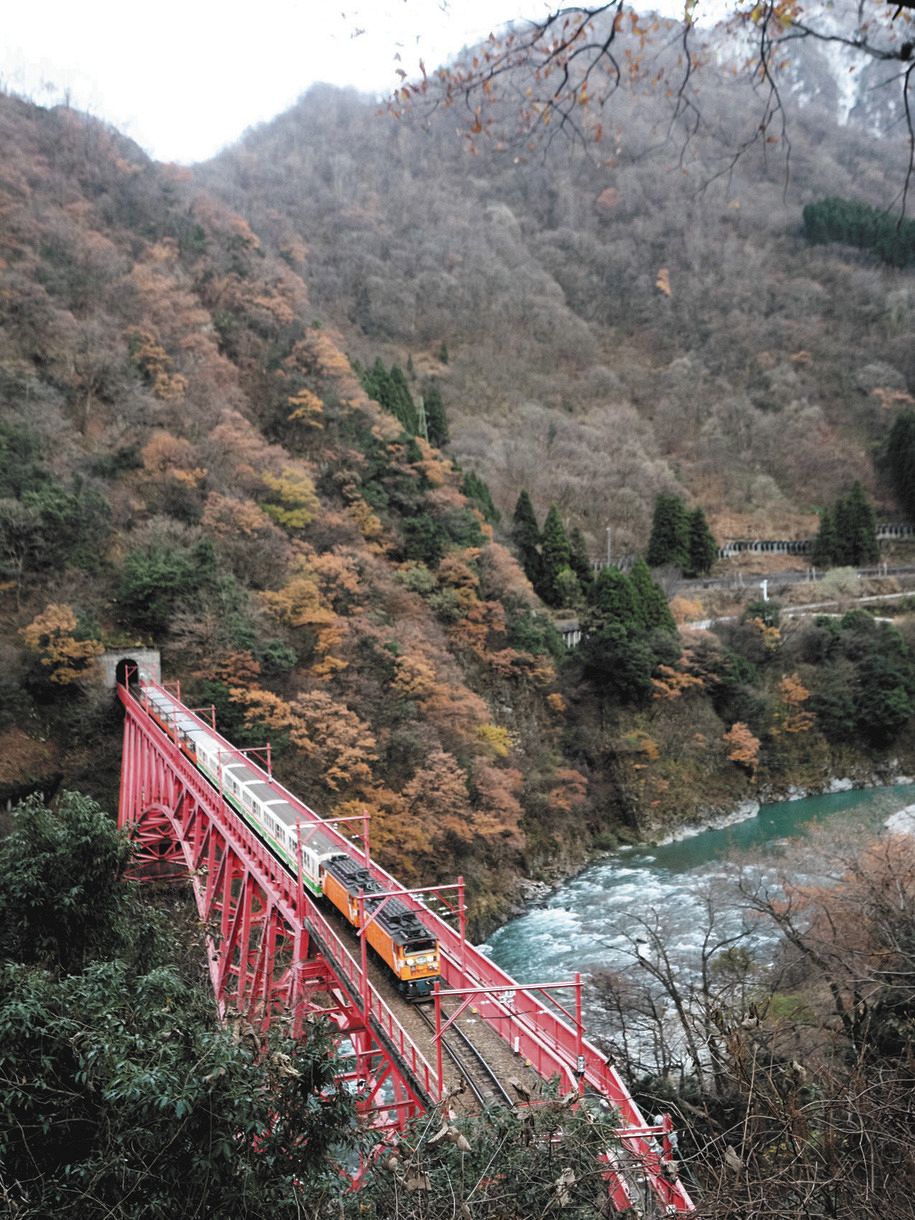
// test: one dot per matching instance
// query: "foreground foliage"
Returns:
(508, 1165)
(120, 1095)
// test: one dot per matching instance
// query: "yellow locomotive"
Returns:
(397, 935)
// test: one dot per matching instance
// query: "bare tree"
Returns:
(557, 74)
(794, 1082)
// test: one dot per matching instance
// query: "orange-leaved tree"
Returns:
(742, 746)
(338, 745)
(438, 798)
(791, 716)
(52, 636)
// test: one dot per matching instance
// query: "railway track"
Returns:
(475, 1071)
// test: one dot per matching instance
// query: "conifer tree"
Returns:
(848, 532)
(859, 224)
(669, 543)
(391, 390)
(436, 420)
(567, 591)
(477, 490)
(901, 461)
(526, 537)
(824, 545)
(861, 542)
(651, 606)
(402, 404)
(581, 562)
(555, 557)
(843, 529)
(703, 549)
(613, 601)
(375, 381)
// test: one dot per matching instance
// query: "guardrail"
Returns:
(272, 875)
(550, 1045)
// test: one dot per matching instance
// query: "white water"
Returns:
(594, 921)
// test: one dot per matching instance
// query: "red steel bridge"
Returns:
(275, 952)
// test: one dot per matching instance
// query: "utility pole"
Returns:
(609, 546)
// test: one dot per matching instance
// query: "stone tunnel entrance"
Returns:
(114, 663)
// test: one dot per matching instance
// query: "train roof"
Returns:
(315, 840)
(169, 710)
(402, 924)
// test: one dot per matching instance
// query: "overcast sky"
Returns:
(185, 77)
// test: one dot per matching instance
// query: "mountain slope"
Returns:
(188, 459)
(750, 385)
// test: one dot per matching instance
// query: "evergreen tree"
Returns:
(402, 405)
(669, 543)
(581, 562)
(900, 459)
(703, 549)
(61, 895)
(477, 491)
(843, 525)
(555, 556)
(618, 664)
(651, 606)
(629, 631)
(859, 224)
(375, 381)
(848, 532)
(855, 530)
(392, 391)
(567, 590)
(526, 537)
(436, 420)
(824, 545)
(613, 600)
(884, 697)
(862, 545)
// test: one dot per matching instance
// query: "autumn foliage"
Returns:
(743, 748)
(52, 638)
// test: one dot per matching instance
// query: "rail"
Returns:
(533, 1031)
(547, 1042)
(378, 1013)
(476, 1055)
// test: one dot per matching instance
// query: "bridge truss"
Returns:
(274, 954)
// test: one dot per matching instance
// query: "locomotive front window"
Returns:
(420, 946)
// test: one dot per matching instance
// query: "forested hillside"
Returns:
(621, 319)
(264, 415)
(211, 442)
(188, 459)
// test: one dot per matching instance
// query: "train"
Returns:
(397, 935)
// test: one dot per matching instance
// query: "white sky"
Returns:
(185, 77)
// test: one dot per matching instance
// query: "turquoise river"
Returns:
(602, 918)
